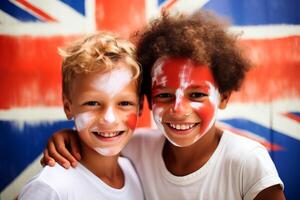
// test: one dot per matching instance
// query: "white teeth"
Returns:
(181, 126)
(110, 134)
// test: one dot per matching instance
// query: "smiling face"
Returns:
(185, 99)
(104, 107)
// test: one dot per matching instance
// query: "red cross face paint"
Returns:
(105, 116)
(185, 99)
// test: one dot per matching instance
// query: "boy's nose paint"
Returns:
(109, 116)
(181, 107)
(131, 121)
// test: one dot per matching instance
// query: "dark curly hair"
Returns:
(201, 37)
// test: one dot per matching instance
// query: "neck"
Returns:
(182, 161)
(104, 167)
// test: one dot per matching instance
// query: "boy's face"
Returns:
(185, 99)
(104, 107)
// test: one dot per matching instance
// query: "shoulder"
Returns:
(252, 162)
(143, 142)
(42, 186)
(240, 146)
(132, 180)
(55, 180)
(147, 136)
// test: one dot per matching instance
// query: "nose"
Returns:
(181, 108)
(108, 117)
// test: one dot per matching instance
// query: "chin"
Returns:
(180, 142)
(108, 151)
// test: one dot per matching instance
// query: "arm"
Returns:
(260, 177)
(62, 147)
(272, 193)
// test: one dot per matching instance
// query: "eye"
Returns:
(91, 103)
(196, 95)
(163, 95)
(126, 103)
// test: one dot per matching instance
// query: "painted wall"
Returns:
(267, 109)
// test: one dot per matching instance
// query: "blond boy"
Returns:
(100, 92)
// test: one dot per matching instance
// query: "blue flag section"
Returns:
(267, 109)
(21, 144)
(257, 12)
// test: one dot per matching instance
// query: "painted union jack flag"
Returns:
(267, 109)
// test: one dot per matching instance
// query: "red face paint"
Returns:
(181, 88)
(131, 121)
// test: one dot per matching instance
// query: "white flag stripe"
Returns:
(266, 31)
(44, 29)
(33, 114)
(184, 6)
(7, 19)
(270, 115)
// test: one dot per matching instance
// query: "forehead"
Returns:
(175, 71)
(109, 82)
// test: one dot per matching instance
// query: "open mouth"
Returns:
(107, 134)
(182, 126)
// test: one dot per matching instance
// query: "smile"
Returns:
(108, 134)
(182, 127)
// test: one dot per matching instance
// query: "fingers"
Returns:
(53, 152)
(75, 149)
(47, 160)
(67, 144)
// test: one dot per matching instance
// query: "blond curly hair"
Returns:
(96, 52)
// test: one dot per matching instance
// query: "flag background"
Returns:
(267, 109)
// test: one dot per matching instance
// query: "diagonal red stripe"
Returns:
(292, 116)
(37, 11)
(169, 4)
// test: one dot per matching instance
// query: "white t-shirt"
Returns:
(80, 183)
(238, 169)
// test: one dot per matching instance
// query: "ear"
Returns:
(224, 99)
(67, 107)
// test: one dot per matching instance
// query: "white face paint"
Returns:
(97, 123)
(113, 82)
(184, 83)
(108, 151)
(182, 80)
(109, 116)
(83, 120)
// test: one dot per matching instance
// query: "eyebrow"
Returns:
(159, 87)
(201, 86)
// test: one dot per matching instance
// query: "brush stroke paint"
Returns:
(183, 75)
(114, 81)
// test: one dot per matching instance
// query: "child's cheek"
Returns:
(157, 115)
(84, 120)
(206, 112)
(131, 121)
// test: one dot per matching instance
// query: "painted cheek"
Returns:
(207, 114)
(131, 121)
(84, 120)
(157, 115)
